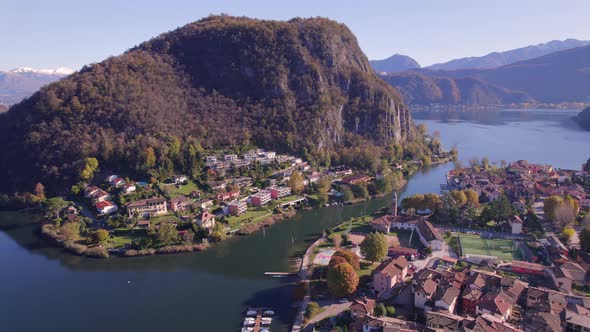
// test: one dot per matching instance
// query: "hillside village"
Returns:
(520, 273)
(236, 194)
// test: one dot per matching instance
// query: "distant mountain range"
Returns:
(583, 119)
(553, 78)
(498, 59)
(395, 63)
(554, 72)
(20, 83)
(420, 89)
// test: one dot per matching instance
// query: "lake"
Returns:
(43, 288)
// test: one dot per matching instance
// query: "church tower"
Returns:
(394, 205)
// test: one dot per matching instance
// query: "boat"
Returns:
(247, 329)
(268, 312)
(251, 312)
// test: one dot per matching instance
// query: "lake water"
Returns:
(42, 288)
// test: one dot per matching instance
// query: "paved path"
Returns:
(330, 310)
(305, 273)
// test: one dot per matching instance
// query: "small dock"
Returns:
(280, 274)
(262, 321)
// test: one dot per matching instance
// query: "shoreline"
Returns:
(99, 251)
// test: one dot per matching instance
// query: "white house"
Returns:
(424, 292)
(447, 299)
(106, 207)
(179, 179)
(128, 188)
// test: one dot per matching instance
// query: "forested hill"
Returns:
(420, 89)
(302, 86)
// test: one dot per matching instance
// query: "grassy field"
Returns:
(502, 248)
(183, 190)
(286, 199)
(254, 214)
(120, 241)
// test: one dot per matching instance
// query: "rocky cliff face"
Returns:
(301, 86)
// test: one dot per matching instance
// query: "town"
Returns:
(501, 248)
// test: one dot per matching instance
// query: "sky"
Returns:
(70, 33)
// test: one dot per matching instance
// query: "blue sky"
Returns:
(48, 34)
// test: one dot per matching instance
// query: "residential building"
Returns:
(205, 204)
(180, 179)
(424, 292)
(211, 159)
(442, 321)
(118, 182)
(179, 203)
(361, 308)
(446, 298)
(100, 196)
(389, 273)
(205, 220)
(470, 299)
(277, 192)
(90, 190)
(577, 319)
(226, 196)
(237, 207)
(528, 268)
(147, 207)
(230, 157)
(261, 198)
(106, 207)
(495, 304)
(128, 188)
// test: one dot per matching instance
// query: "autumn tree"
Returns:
(374, 247)
(296, 182)
(472, 197)
(350, 258)
(100, 236)
(564, 214)
(39, 190)
(167, 233)
(459, 197)
(550, 204)
(342, 280)
(568, 233)
(431, 201)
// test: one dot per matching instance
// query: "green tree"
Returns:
(90, 165)
(360, 190)
(150, 158)
(431, 201)
(587, 166)
(390, 311)
(374, 247)
(347, 194)
(187, 236)
(100, 236)
(380, 310)
(167, 234)
(350, 258)
(342, 280)
(218, 233)
(55, 205)
(296, 183)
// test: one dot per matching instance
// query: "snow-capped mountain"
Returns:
(58, 71)
(20, 83)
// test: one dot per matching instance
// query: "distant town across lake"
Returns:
(210, 290)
